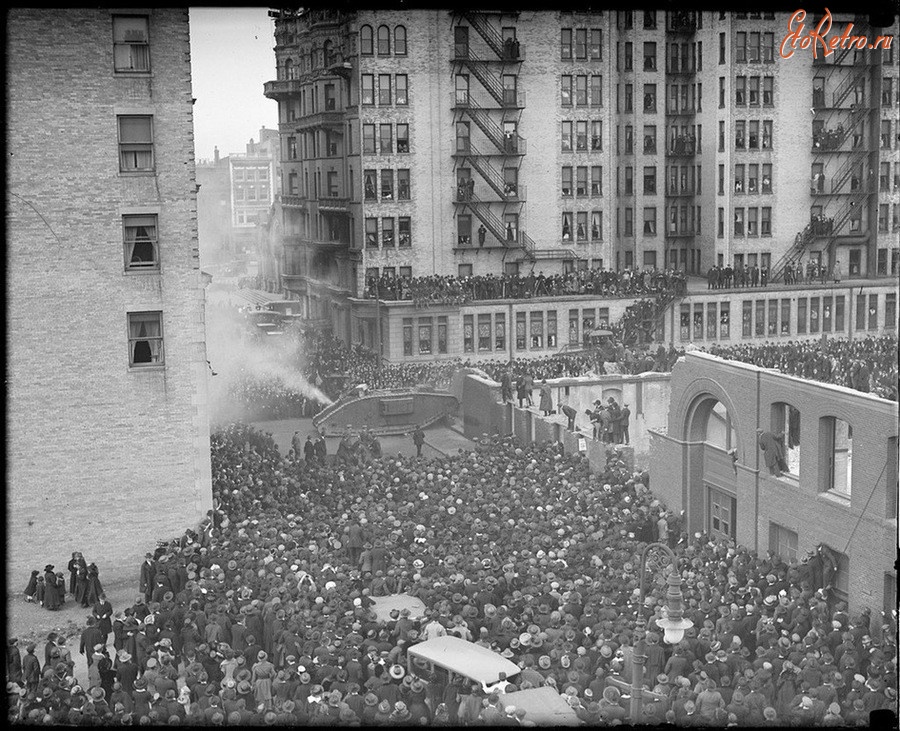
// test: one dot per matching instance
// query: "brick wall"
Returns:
(861, 525)
(102, 459)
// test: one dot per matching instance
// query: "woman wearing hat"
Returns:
(31, 588)
(51, 595)
(261, 676)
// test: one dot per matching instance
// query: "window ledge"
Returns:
(146, 368)
(130, 272)
(838, 498)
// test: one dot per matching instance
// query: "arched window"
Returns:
(314, 57)
(365, 41)
(400, 40)
(288, 69)
(328, 52)
(384, 40)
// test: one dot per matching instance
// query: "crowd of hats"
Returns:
(517, 547)
(868, 364)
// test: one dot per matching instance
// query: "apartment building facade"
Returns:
(108, 441)
(466, 143)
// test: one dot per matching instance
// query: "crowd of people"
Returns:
(868, 364)
(265, 614)
(451, 290)
(262, 397)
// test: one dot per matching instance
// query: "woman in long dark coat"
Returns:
(95, 588)
(31, 589)
(75, 562)
(81, 588)
(61, 587)
(51, 597)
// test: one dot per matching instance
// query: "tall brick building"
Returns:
(617, 139)
(839, 485)
(108, 443)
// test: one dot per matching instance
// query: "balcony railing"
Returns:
(281, 87)
(294, 201)
(332, 118)
(334, 204)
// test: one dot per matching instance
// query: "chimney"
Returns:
(216, 152)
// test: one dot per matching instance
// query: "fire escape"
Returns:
(845, 152)
(680, 140)
(487, 98)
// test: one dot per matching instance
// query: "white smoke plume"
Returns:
(234, 350)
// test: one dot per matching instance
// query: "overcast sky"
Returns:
(232, 57)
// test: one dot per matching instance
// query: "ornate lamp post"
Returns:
(673, 627)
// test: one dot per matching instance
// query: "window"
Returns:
(650, 221)
(649, 97)
(724, 320)
(402, 138)
(890, 311)
(596, 180)
(464, 230)
(753, 135)
(521, 339)
(740, 140)
(581, 181)
(629, 221)
(141, 252)
(629, 139)
(567, 226)
(384, 40)
(135, 144)
(767, 134)
(596, 44)
(755, 48)
(783, 542)
(752, 221)
(566, 91)
(596, 91)
(131, 43)
(596, 136)
(581, 142)
(371, 232)
(400, 41)
(649, 20)
(768, 48)
(738, 178)
(596, 225)
(883, 216)
(537, 330)
(551, 329)
(387, 185)
(581, 91)
(629, 180)
(738, 221)
(649, 56)
(767, 178)
(650, 180)
(837, 454)
(581, 44)
(629, 98)
(885, 134)
(566, 137)
(145, 339)
(366, 40)
(565, 44)
(484, 332)
(404, 232)
(384, 90)
(369, 139)
(581, 224)
(891, 502)
(401, 90)
(500, 330)
(721, 49)
(367, 89)
(629, 56)
(403, 184)
(768, 98)
(385, 139)
(765, 224)
(740, 91)
(567, 182)
(649, 139)
(740, 48)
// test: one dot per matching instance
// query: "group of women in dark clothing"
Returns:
(49, 589)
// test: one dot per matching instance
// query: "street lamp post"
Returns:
(673, 627)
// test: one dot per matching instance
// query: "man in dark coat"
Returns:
(624, 416)
(13, 662)
(51, 596)
(103, 614)
(148, 574)
(355, 542)
(75, 563)
(309, 450)
(570, 415)
(321, 449)
(772, 451)
(90, 637)
(418, 439)
(31, 668)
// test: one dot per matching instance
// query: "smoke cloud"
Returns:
(236, 352)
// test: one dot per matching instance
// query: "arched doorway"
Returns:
(712, 450)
